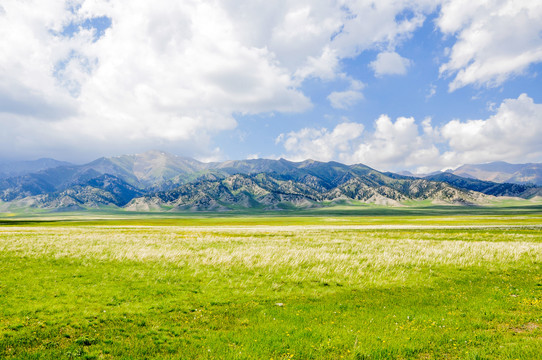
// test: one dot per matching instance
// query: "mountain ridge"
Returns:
(18, 168)
(158, 180)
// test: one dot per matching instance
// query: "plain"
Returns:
(367, 283)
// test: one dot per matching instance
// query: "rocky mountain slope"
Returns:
(274, 191)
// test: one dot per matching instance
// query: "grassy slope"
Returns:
(106, 289)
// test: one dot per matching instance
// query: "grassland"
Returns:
(296, 286)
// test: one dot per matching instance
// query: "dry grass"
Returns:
(300, 252)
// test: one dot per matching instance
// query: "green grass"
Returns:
(272, 287)
(518, 212)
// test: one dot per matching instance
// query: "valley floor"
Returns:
(451, 286)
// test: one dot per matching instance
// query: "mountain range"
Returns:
(156, 180)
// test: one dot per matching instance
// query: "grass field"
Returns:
(317, 286)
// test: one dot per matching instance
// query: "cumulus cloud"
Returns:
(512, 134)
(495, 39)
(397, 143)
(173, 74)
(97, 76)
(321, 144)
(390, 63)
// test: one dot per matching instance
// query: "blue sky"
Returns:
(397, 85)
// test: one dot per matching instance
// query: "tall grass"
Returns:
(348, 254)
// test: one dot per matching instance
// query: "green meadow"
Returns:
(331, 283)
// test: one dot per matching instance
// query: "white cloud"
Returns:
(347, 98)
(321, 144)
(390, 63)
(27, 86)
(172, 74)
(512, 134)
(392, 145)
(370, 24)
(432, 91)
(355, 26)
(344, 99)
(496, 39)
(396, 144)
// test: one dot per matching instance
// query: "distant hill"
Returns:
(503, 172)
(487, 187)
(158, 180)
(18, 168)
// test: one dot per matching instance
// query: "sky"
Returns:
(397, 85)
